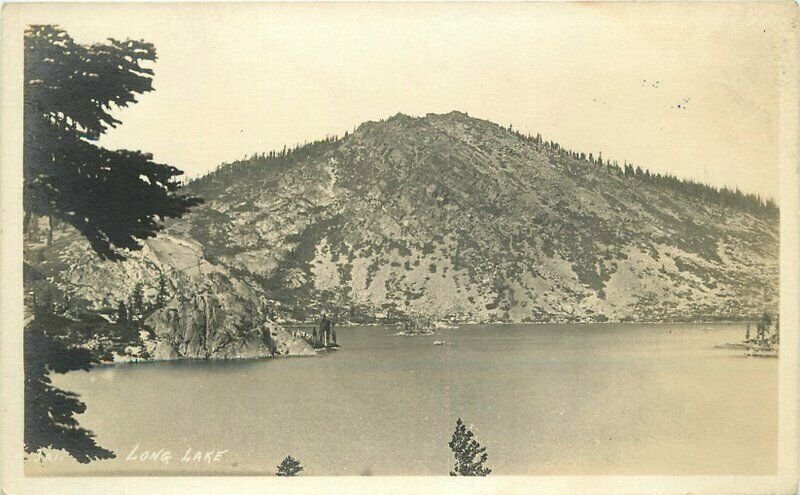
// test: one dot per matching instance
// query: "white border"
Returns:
(14, 482)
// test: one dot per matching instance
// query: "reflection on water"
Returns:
(543, 399)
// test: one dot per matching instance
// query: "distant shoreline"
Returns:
(610, 322)
(384, 325)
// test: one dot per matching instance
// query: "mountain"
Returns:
(454, 217)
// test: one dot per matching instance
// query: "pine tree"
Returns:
(161, 297)
(49, 421)
(122, 313)
(115, 198)
(289, 466)
(47, 297)
(137, 301)
(629, 170)
(763, 325)
(465, 449)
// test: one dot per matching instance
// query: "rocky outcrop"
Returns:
(202, 327)
(190, 307)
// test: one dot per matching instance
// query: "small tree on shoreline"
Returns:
(763, 325)
(289, 466)
(465, 449)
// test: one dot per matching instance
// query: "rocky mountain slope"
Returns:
(457, 218)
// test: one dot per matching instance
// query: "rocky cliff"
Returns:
(186, 307)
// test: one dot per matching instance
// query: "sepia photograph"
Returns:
(553, 245)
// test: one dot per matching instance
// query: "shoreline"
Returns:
(610, 322)
(133, 361)
(317, 353)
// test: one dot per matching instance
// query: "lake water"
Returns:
(544, 399)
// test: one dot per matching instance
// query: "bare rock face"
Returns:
(191, 307)
(202, 327)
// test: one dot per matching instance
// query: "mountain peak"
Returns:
(453, 114)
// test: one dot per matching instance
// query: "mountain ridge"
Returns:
(440, 191)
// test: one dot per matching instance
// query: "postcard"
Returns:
(443, 247)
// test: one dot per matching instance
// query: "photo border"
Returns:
(17, 15)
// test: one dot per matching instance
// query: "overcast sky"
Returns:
(232, 80)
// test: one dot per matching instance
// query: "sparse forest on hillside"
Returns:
(227, 173)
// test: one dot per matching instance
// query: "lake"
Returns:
(590, 399)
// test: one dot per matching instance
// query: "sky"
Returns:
(236, 79)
